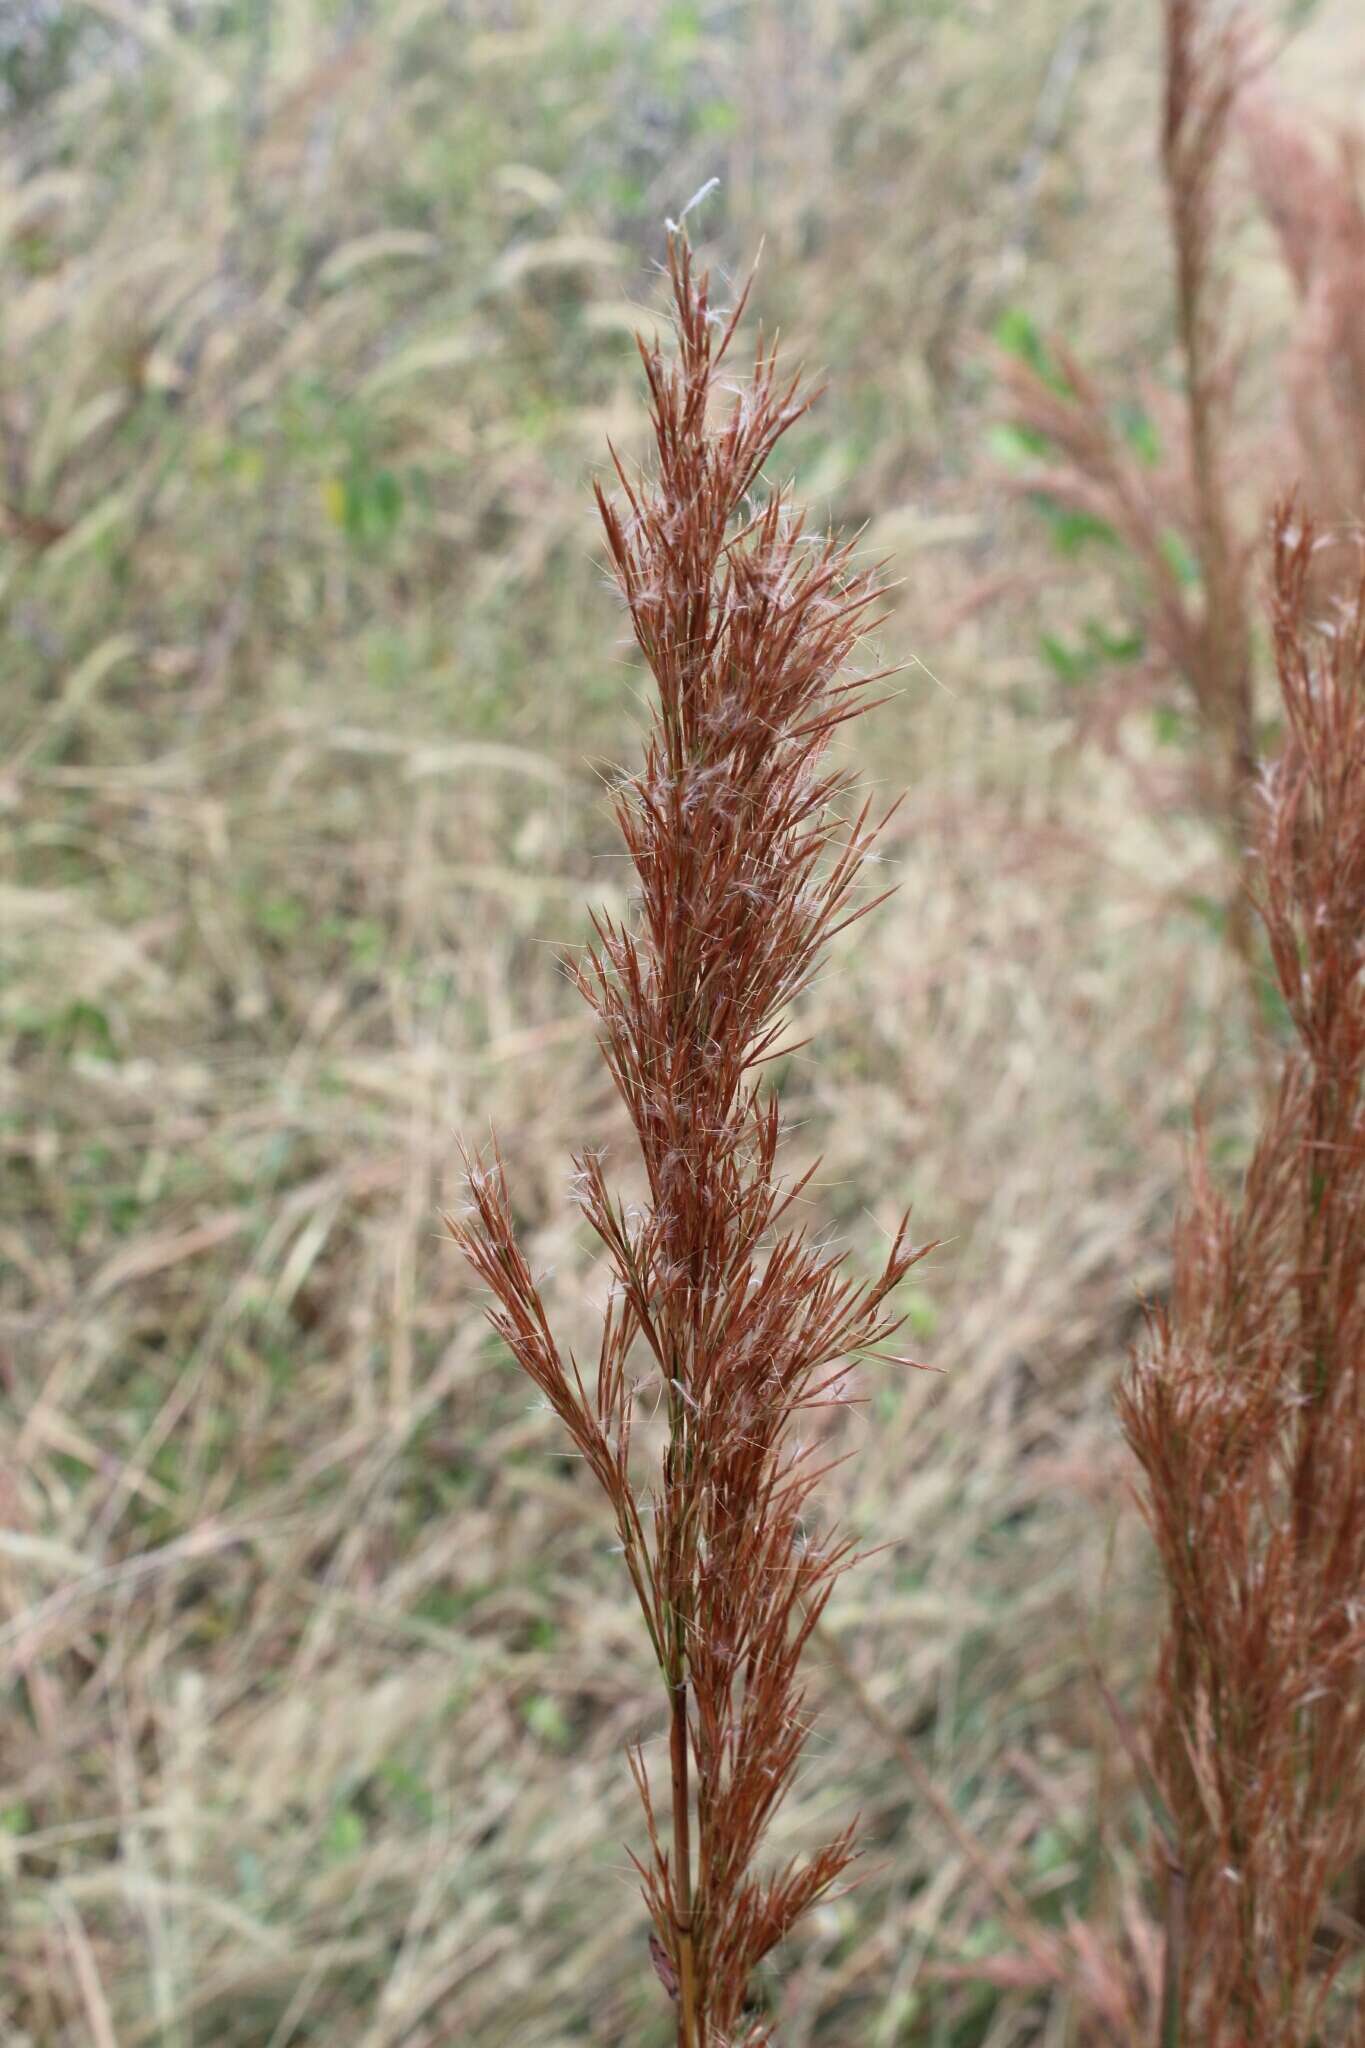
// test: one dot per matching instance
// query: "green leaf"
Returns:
(1070, 665)
(371, 505)
(1051, 1850)
(386, 502)
(1275, 1009)
(1071, 528)
(545, 1719)
(282, 917)
(1209, 911)
(84, 1026)
(718, 117)
(1138, 429)
(408, 1788)
(345, 1834)
(1017, 334)
(1121, 647)
(1019, 446)
(920, 1314)
(1099, 646)
(1181, 557)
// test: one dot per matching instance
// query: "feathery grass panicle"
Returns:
(1309, 187)
(1246, 1413)
(743, 874)
(1168, 496)
(1174, 496)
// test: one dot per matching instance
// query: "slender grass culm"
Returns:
(1246, 1412)
(728, 1312)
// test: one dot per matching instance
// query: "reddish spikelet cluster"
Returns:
(739, 1323)
(1247, 1416)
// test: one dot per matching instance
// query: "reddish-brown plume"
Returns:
(1247, 1415)
(721, 1308)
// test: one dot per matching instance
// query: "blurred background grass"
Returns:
(316, 318)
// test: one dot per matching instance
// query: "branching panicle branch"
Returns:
(748, 625)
